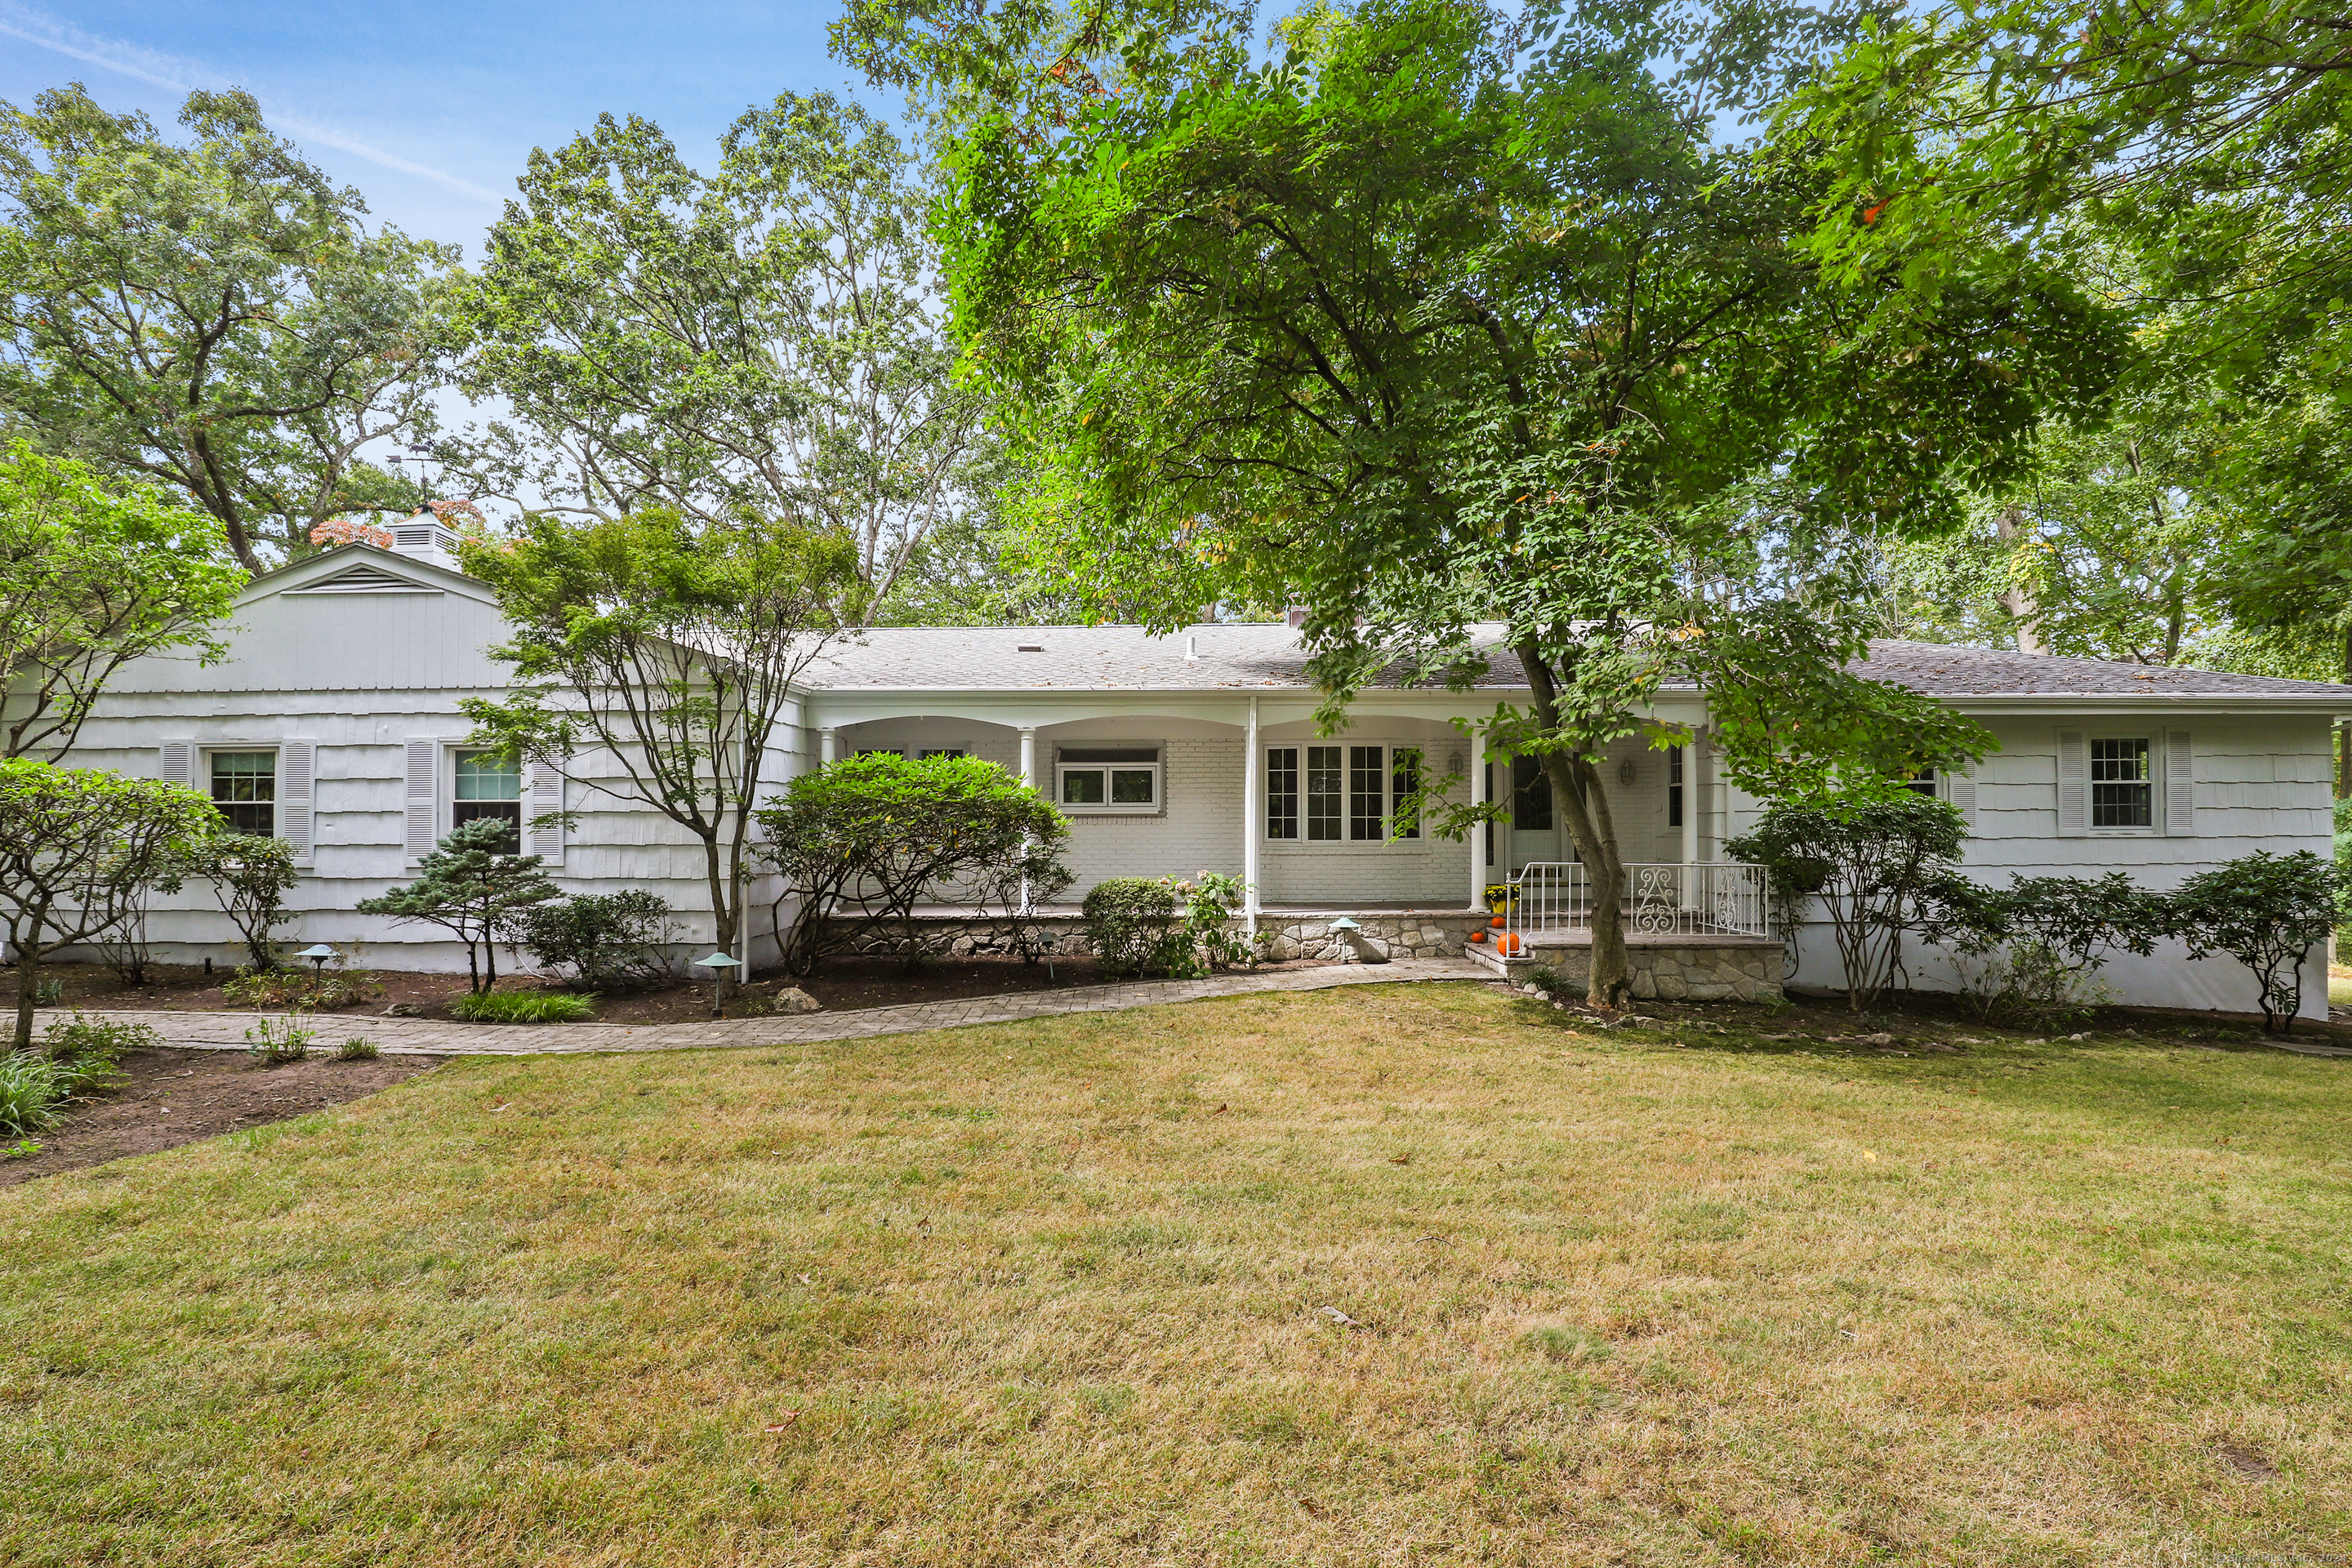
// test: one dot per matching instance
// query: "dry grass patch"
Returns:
(1382, 1275)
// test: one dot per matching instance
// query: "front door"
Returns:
(1536, 833)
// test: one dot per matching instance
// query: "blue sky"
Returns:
(430, 108)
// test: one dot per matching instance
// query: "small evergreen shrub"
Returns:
(1131, 924)
(523, 1007)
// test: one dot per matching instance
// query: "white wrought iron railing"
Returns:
(1663, 898)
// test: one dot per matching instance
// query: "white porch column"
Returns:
(1029, 756)
(1251, 809)
(1691, 798)
(1479, 832)
(826, 747)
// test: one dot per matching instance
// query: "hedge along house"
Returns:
(1172, 754)
(334, 723)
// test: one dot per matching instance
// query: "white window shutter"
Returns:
(177, 762)
(546, 796)
(2073, 784)
(297, 768)
(1963, 794)
(424, 814)
(2179, 786)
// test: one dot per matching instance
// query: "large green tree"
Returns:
(1442, 318)
(214, 315)
(759, 339)
(93, 576)
(653, 657)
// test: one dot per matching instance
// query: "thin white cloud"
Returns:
(175, 76)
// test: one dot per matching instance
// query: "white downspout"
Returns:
(1251, 807)
(1477, 834)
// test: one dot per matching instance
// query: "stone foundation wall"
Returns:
(1281, 938)
(1748, 972)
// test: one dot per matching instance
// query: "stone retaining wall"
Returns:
(1380, 936)
(1692, 972)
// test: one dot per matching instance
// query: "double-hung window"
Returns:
(487, 787)
(1405, 787)
(2123, 793)
(1530, 796)
(1367, 793)
(1325, 776)
(1108, 780)
(1282, 792)
(245, 789)
(1675, 786)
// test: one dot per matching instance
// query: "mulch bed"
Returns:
(177, 1097)
(838, 985)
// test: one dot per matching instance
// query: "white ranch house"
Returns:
(334, 723)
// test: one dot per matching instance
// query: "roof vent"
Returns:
(422, 537)
(1029, 647)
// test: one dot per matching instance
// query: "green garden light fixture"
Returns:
(720, 966)
(318, 953)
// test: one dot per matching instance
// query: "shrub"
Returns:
(523, 1007)
(870, 837)
(87, 1051)
(286, 988)
(471, 887)
(358, 1048)
(2029, 954)
(1874, 865)
(1131, 924)
(274, 1040)
(607, 941)
(250, 876)
(1208, 941)
(2267, 911)
(30, 1090)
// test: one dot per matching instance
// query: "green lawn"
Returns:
(1057, 1291)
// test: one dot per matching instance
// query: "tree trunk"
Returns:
(473, 970)
(27, 977)
(1577, 793)
(723, 913)
(2344, 735)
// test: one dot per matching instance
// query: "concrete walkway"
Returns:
(426, 1037)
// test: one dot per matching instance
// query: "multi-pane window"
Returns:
(1325, 781)
(931, 752)
(1923, 782)
(245, 789)
(2121, 793)
(1530, 796)
(1404, 786)
(487, 786)
(1282, 792)
(1674, 787)
(1108, 780)
(1367, 793)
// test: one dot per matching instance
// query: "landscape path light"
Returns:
(318, 953)
(720, 966)
(1345, 929)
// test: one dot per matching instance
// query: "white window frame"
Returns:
(204, 754)
(1345, 842)
(2154, 740)
(1157, 768)
(446, 808)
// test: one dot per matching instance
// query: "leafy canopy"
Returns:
(93, 576)
(213, 316)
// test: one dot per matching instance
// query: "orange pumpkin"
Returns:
(1478, 935)
(1509, 945)
(1498, 923)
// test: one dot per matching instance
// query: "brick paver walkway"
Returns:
(422, 1037)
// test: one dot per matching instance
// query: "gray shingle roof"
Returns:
(1267, 656)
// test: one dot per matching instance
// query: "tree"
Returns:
(79, 848)
(877, 835)
(1442, 319)
(250, 876)
(471, 887)
(670, 648)
(2268, 911)
(759, 340)
(92, 576)
(213, 316)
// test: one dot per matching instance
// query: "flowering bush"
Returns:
(350, 531)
